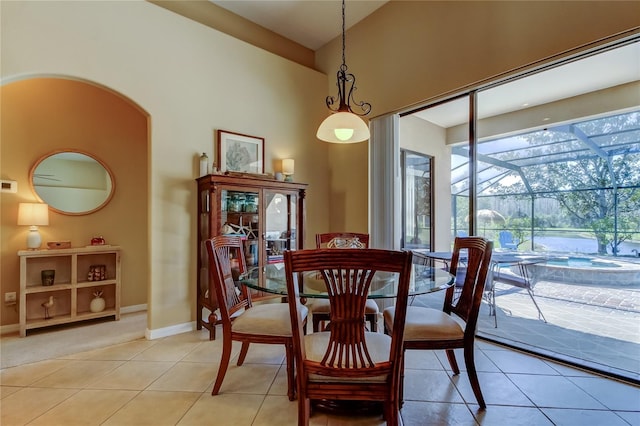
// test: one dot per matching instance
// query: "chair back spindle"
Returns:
(342, 240)
(348, 362)
(224, 250)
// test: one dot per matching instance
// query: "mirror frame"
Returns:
(76, 151)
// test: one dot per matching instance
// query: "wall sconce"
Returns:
(287, 169)
(33, 215)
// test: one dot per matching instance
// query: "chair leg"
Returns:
(540, 314)
(451, 356)
(243, 352)
(401, 384)
(213, 319)
(317, 319)
(391, 413)
(224, 363)
(494, 308)
(373, 322)
(473, 376)
(304, 409)
(291, 384)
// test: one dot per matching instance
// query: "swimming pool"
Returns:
(587, 270)
(582, 262)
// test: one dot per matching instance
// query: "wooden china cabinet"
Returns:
(269, 216)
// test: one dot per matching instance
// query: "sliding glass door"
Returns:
(417, 230)
(559, 176)
(550, 166)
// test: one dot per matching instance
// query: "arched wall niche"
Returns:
(45, 113)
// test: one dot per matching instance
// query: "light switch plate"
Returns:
(9, 186)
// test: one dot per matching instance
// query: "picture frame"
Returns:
(240, 153)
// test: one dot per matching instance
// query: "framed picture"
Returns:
(240, 153)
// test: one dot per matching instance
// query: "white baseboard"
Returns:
(159, 333)
(14, 328)
(149, 334)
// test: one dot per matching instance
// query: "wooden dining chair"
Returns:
(241, 320)
(427, 328)
(320, 307)
(348, 362)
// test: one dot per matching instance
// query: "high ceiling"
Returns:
(311, 23)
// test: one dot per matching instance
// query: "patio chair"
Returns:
(241, 321)
(348, 363)
(507, 240)
(432, 329)
(320, 307)
(523, 279)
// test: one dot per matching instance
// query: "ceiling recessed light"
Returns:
(546, 119)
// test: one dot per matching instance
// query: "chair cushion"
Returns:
(269, 319)
(378, 344)
(507, 277)
(426, 324)
(321, 306)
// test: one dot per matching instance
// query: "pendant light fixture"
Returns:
(344, 125)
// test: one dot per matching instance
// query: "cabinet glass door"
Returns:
(280, 230)
(239, 216)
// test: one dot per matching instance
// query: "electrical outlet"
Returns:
(10, 297)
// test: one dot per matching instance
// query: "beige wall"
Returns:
(43, 115)
(409, 51)
(236, 26)
(190, 80)
(424, 137)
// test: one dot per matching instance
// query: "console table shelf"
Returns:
(72, 291)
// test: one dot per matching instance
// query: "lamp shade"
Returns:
(343, 127)
(287, 166)
(33, 214)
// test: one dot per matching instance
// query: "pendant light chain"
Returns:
(344, 44)
(345, 125)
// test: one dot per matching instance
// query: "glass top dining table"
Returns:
(424, 279)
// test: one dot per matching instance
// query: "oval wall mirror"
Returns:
(72, 182)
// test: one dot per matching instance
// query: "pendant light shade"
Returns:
(343, 127)
(345, 124)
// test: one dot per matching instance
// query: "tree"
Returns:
(593, 170)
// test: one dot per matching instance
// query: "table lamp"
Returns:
(33, 215)
(287, 169)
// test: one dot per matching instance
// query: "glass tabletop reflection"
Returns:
(424, 279)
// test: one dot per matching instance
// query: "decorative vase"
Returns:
(48, 276)
(97, 304)
(204, 164)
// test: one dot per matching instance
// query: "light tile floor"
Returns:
(168, 382)
(597, 326)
